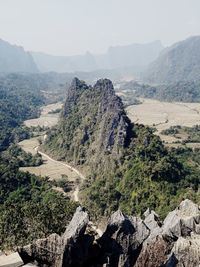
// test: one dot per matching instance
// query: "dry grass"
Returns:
(29, 145)
(54, 170)
(162, 115)
(46, 119)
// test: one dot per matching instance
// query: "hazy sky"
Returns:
(67, 27)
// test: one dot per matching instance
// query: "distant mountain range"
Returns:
(136, 56)
(180, 62)
(150, 62)
(14, 59)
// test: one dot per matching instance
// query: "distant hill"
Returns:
(180, 62)
(133, 55)
(14, 59)
(47, 63)
(93, 124)
(136, 56)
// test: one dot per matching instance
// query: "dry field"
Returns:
(162, 115)
(29, 145)
(46, 119)
(54, 170)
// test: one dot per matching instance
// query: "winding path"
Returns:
(45, 120)
(76, 191)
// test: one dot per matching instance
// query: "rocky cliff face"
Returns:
(93, 125)
(126, 242)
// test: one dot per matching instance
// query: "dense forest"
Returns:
(150, 175)
(29, 207)
(16, 105)
(182, 91)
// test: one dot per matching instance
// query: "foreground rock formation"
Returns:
(127, 241)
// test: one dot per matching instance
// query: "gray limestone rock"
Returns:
(153, 223)
(122, 239)
(65, 250)
(183, 220)
(127, 241)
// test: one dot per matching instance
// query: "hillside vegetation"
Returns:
(129, 167)
(29, 207)
(182, 91)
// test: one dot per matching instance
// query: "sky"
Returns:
(69, 27)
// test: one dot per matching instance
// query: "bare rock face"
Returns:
(75, 244)
(176, 242)
(183, 220)
(65, 250)
(153, 222)
(187, 251)
(93, 125)
(122, 240)
(111, 117)
(12, 260)
(45, 251)
(154, 253)
(127, 242)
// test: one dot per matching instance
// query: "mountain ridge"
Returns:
(179, 62)
(14, 58)
(116, 57)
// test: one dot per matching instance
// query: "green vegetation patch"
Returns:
(29, 208)
(150, 176)
(189, 134)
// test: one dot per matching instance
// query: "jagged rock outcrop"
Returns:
(153, 222)
(93, 126)
(67, 250)
(168, 247)
(122, 240)
(186, 251)
(183, 220)
(127, 241)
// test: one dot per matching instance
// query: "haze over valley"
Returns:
(99, 133)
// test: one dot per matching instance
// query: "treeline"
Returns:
(191, 134)
(183, 91)
(16, 105)
(17, 156)
(149, 176)
(29, 207)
